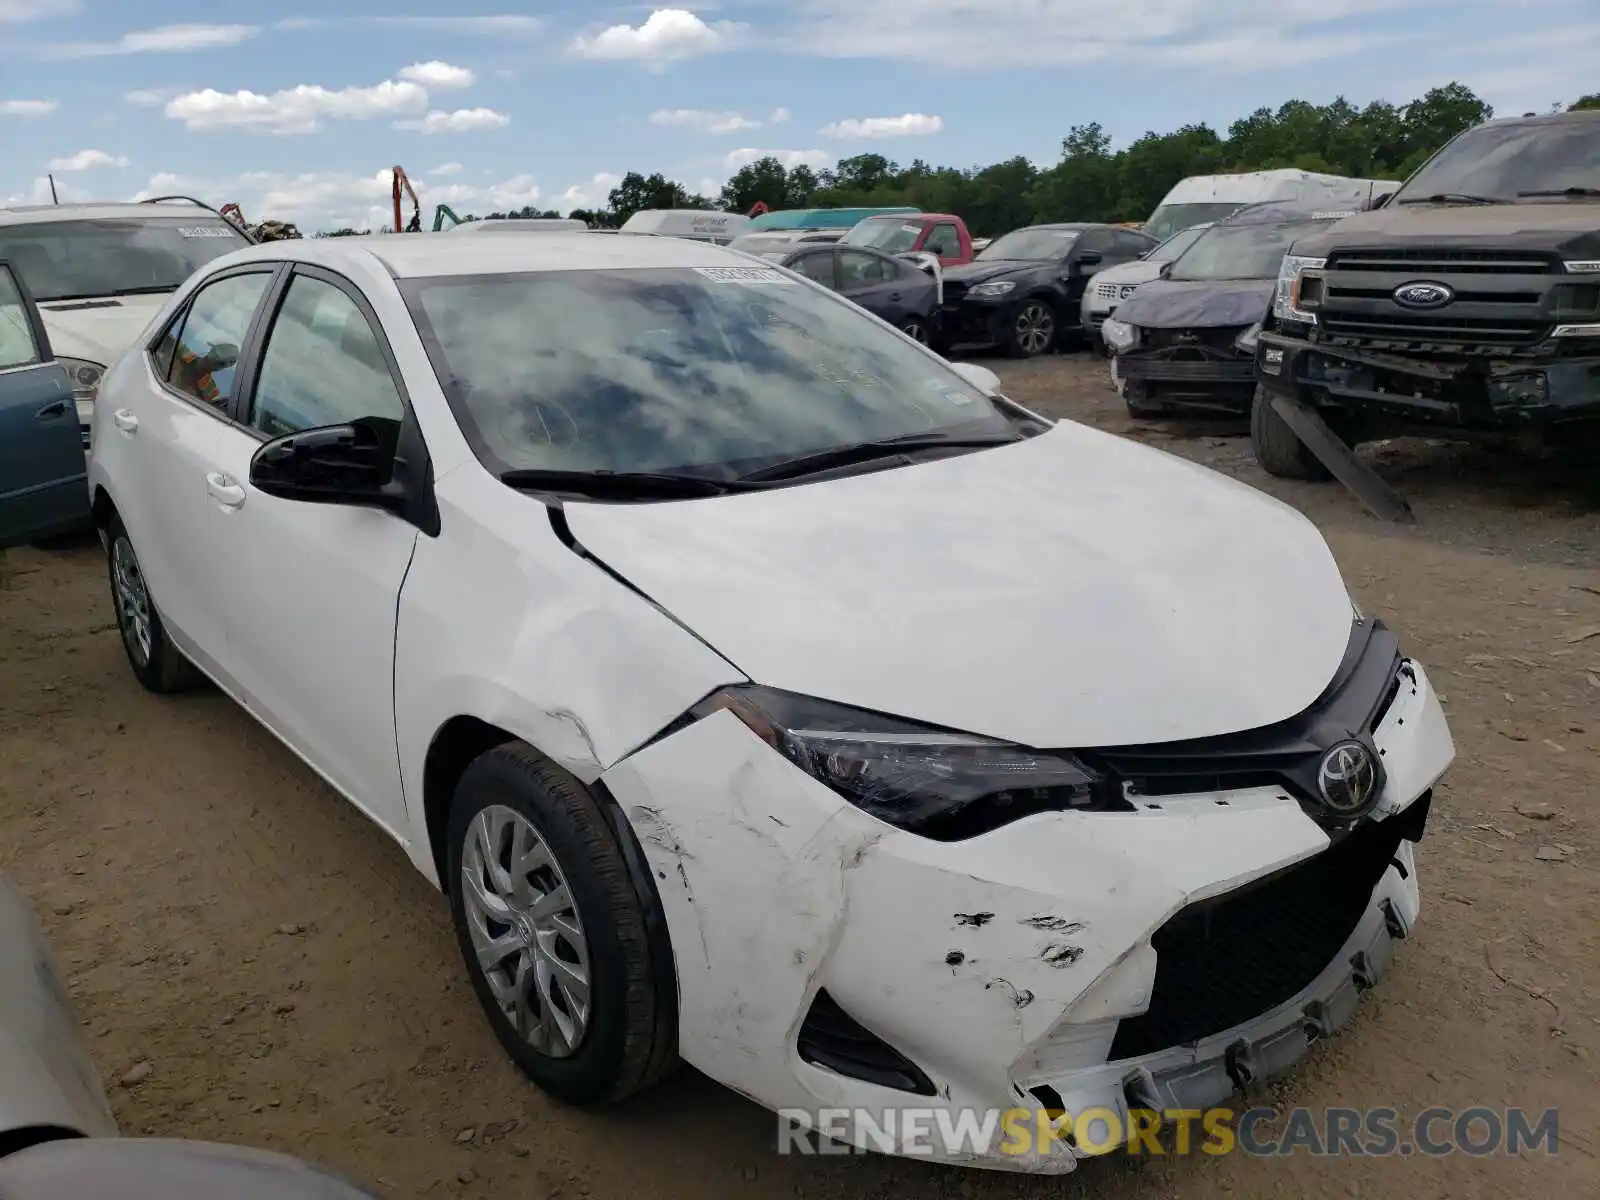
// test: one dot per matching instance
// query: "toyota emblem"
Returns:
(1423, 295)
(1348, 778)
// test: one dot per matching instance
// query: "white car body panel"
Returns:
(1072, 591)
(1076, 589)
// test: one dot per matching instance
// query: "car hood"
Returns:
(1570, 228)
(1138, 271)
(99, 330)
(1073, 590)
(1197, 304)
(970, 273)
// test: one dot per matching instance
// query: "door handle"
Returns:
(125, 421)
(224, 490)
(51, 411)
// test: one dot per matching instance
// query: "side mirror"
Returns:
(336, 464)
(1383, 199)
(1090, 258)
(224, 355)
(1166, 268)
(985, 380)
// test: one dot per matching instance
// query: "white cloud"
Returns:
(668, 35)
(735, 159)
(709, 122)
(87, 160)
(451, 168)
(18, 12)
(462, 120)
(39, 192)
(436, 74)
(592, 195)
(906, 125)
(779, 116)
(150, 97)
(163, 39)
(28, 108)
(294, 110)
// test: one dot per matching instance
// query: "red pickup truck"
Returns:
(900, 233)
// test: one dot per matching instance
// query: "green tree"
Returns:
(1586, 102)
(637, 192)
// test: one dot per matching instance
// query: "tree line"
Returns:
(1091, 181)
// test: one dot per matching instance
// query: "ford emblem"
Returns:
(1423, 295)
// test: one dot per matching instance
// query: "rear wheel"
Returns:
(1277, 447)
(553, 931)
(1033, 331)
(157, 663)
(917, 329)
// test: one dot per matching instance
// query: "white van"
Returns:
(1202, 198)
(698, 225)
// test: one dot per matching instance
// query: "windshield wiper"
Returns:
(1453, 198)
(148, 290)
(1567, 191)
(622, 485)
(864, 452)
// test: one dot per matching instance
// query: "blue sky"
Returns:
(299, 117)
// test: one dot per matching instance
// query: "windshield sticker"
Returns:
(911, 229)
(745, 275)
(205, 231)
(1335, 214)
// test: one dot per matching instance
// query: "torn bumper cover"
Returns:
(1203, 369)
(1157, 956)
(1509, 393)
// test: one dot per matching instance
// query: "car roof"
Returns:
(427, 255)
(39, 213)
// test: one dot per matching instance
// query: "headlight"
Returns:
(1246, 341)
(85, 378)
(1286, 301)
(942, 785)
(998, 288)
(1119, 335)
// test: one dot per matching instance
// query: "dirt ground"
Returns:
(291, 983)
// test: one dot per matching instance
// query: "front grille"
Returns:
(1228, 960)
(832, 1039)
(1440, 260)
(1198, 340)
(1431, 330)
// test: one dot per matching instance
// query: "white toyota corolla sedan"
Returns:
(763, 690)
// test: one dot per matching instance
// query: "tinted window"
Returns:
(202, 347)
(717, 369)
(1508, 161)
(858, 270)
(322, 364)
(17, 347)
(945, 241)
(1035, 244)
(1176, 244)
(1131, 244)
(63, 260)
(1240, 251)
(815, 266)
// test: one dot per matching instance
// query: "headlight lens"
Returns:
(1119, 335)
(943, 785)
(1246, 341)
(85, 378)
(999, 287)
(1286, 300)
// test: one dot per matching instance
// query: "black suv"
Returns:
(1467, 305)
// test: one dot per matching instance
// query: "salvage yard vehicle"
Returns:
(1212, 197)
(838, 219)
(100, 272)
(940, 234)
(1186, 340)
(1115, 284)
(646, 596)
(42, 493)
(521, 225)
(58, 1137)
(1467, 307)
(1024, 293)
(775, 244)
(886, 285)
(695, 224)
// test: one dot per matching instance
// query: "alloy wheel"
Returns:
(1036, 326)
(526, 930)
(916, 330)
(133, 601)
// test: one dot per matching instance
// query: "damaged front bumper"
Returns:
(826, 960)
(1507, 393)
(1190, 374)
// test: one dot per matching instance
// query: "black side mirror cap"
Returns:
(334, 464)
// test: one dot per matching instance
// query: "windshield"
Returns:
(1503, 162)
(1169, 219)
(892, 236)
(714, 370)
(1038, 243)
(1240, 251)
(1175, 245)
(74, 260)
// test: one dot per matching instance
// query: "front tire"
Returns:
(553, 931)
(157, 663)
(1033, 330)
(1277, 447)
(917, 330)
